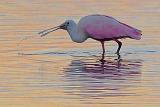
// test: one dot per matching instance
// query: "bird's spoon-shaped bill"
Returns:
(45, 32)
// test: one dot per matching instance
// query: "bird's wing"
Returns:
(103, 27)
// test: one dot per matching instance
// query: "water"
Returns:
(57, 72)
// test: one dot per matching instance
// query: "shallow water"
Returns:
(54, 71)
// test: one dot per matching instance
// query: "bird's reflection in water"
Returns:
(95, 79)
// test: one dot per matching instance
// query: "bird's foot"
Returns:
(118, 59)
(117, 53)
(102, 60)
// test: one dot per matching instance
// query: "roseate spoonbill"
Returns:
(98, 27)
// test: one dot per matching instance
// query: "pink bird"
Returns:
(98, 27)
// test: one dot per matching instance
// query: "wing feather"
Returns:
(105, 27)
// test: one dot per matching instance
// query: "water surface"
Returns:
(54, 71)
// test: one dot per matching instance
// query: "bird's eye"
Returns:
(67, 23)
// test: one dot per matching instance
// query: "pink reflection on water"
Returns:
(99, 80)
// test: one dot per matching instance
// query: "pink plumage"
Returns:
(103, 27)
(99, 27)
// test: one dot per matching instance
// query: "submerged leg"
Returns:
(103, 54)
(119, 46)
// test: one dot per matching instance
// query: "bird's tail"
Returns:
(136, 34)
(133, 32)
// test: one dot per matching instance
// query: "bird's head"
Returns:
(68, 24)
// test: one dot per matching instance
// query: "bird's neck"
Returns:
(76, 34)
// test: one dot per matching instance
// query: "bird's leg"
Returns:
(102, 42)
(119, 46)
